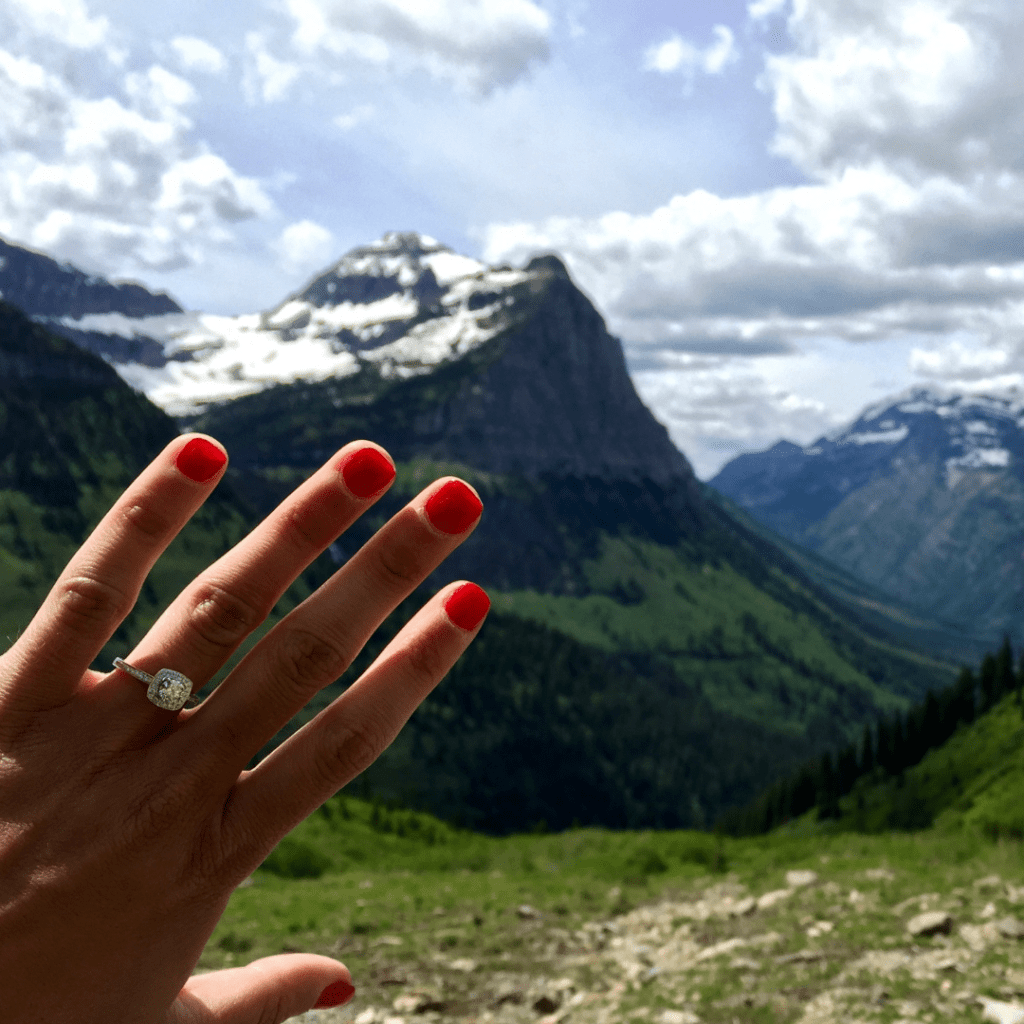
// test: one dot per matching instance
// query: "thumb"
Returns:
(267, 991)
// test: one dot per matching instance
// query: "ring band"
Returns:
(167, 689)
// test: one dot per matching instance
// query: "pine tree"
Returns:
(987, 682)
(867, 752)
(1005, 681)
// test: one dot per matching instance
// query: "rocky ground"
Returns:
(816, 951)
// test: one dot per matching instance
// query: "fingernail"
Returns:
(467, 606)
(453, 508)
(335, 995)
(366, 472)
(200, 460)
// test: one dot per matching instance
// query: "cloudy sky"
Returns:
(786, 209)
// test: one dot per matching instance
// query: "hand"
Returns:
(124, 827)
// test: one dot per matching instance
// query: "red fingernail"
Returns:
(453, 508)
(200, 460)
(366, 472)
(335, 995)
(467, 606)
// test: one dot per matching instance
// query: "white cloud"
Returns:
(116, 183)
(759, 10)
(677, 54)
(355, 117)
(266, 77)
(929, 85)
(909, 119)
(304, 247)
(66, 22)
(196, 54)
(478, 45)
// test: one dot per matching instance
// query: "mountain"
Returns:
(74, 303)
(650, 659)
(922, 496)
(72, 436)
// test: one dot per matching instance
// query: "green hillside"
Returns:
(72, 436)
(975, 781)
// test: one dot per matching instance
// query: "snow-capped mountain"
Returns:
(405, 304)
(922, 495)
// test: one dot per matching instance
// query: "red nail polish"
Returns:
(335, 995)
(467, 606)
(366, 472)
(200, 460)
(453, 508)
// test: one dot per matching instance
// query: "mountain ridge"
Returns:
(921, 495)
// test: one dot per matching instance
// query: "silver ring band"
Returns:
(167, 689)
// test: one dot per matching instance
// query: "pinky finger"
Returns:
(350, 734)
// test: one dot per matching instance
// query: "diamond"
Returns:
(169, 689)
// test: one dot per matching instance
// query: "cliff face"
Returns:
(556, 397)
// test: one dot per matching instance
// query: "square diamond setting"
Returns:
(169, 689)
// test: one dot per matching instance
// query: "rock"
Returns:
(1001, 1013)
(880, 874)
(741, 908)
(798, 879)
(934, 922)
(527, 913)
(514, 996)
(1011, 928)
(678, 1017)
(801, 956)
(413, 1002)
(726, 946)
(769, 899)
(466, 966)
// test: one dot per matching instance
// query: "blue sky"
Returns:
(787, 209)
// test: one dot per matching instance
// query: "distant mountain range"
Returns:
(651, 658)
(922, 496)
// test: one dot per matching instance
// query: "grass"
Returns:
(408, 883)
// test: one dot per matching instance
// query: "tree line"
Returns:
(893, 744)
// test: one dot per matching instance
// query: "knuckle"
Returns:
(427, 661)
(306, 662)
(308, 529)
(341, 755)
(147, 521)
(397, 568)
(89, 600)
(223, 619)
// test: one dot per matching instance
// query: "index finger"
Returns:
(102, 581)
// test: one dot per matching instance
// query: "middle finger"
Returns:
(315, 643)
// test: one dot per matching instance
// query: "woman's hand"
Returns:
(124, 827)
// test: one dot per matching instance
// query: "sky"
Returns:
(786, 209)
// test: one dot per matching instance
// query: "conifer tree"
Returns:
(987, 682)
(867, 751)
(1005, 681)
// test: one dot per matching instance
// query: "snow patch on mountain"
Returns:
(404, 304)
(893, 436)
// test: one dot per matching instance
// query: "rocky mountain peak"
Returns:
(400, 263)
